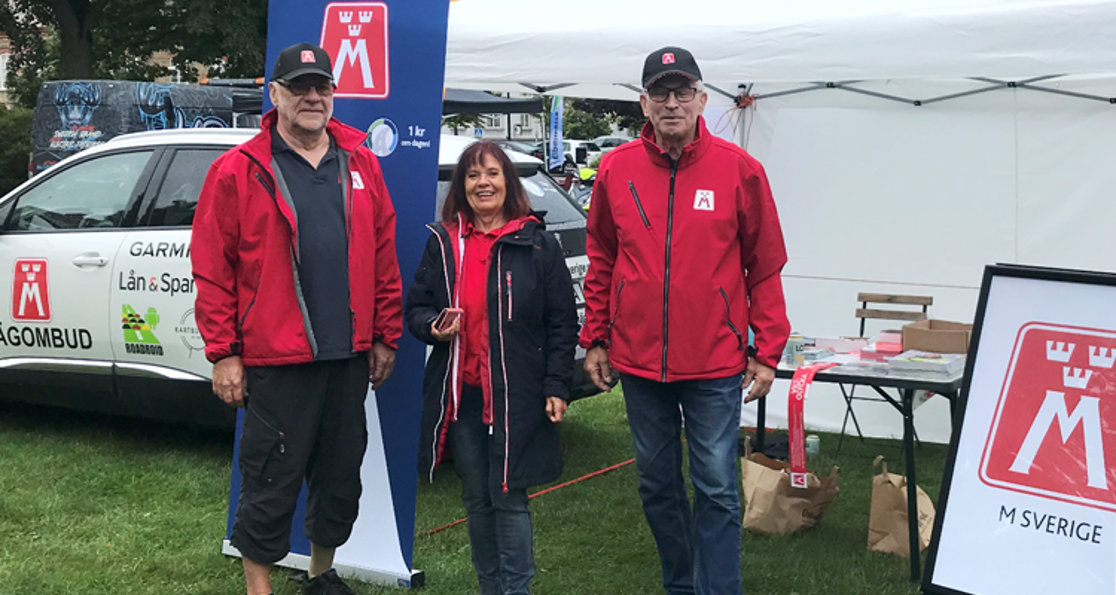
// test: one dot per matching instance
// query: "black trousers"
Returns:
(301, 421)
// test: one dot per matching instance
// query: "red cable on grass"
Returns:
(541, 492)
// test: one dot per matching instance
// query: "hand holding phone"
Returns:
(446, 318)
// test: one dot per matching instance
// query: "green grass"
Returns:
(92, 504)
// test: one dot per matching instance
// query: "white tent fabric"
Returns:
(874, 194)
(597, 45)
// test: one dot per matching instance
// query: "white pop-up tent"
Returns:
(908, 143)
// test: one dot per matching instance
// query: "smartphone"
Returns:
(447, 317)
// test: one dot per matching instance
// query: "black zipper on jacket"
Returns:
(666, 274)
(617, 308)
(639, 205)
(728, 317)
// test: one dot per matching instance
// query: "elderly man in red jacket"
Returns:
(299, 300)
(685, 252)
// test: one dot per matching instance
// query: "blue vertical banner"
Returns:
(388, 63)
(557, 155)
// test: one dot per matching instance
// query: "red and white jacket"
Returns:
(684, 258)
(244, 251)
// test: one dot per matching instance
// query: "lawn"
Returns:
(93, 504)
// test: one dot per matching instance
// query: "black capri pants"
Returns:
(301, 421)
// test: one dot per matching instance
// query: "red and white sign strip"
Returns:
(355, 35)
(1052, 435)
(796, 422)
(30, 292)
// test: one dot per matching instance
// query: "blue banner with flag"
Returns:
(388, 63)
(557, 155)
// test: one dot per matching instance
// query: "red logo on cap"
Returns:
(668, 58)
(307, 56)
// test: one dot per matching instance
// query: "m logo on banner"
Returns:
(355, 35)
(30, 294)
(1047, 436)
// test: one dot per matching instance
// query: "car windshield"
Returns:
(518, 147)
(545, 195)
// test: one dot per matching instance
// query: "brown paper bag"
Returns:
(771, 505)
(888, 530)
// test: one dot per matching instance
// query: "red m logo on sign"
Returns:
(1047, 437)
(30, 295)
(355, 35)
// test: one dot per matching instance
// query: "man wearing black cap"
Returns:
(685, 253)
(299, 302)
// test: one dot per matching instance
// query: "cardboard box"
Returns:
(939, 336)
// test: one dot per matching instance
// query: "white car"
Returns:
(608, 143)
(581, 152)
(99, 310)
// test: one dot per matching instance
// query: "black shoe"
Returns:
(326, 583)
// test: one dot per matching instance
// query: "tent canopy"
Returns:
(471, 101)
(497, 45)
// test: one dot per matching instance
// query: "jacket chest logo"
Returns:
(358, 184)
(703, 200)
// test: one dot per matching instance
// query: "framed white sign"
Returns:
(1028, 502)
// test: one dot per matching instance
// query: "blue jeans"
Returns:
(699, 551)
(499, 523)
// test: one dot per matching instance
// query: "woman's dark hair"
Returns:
(516, 203)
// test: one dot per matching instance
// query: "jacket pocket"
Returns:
(262, 448)
(639, 205)
(728, 318)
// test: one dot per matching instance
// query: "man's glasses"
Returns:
(682, 94)
(300, 88)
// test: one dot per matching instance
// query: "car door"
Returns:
(161, 370)
(59, 237)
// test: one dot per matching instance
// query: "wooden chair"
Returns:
(910, 308)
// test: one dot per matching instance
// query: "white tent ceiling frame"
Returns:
(989, 84)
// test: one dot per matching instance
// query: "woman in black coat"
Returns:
(498, 377)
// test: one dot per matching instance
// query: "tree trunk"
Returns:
(74, 19)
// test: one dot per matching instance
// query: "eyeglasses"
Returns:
(682, 94)
(300, 88)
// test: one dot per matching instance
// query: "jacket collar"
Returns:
(690, 153)
(518, 231)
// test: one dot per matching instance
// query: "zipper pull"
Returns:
(508, 276)
(491, 429)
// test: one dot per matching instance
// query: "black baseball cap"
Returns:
(667, 61)
(302, 59)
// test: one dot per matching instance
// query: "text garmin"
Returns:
(160, 249)
(165, 283)
(47, 337)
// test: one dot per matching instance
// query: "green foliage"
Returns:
(15, 127)
(627, 115)
(463, 121)
(115, 39)
(581, 124)
(93, 504)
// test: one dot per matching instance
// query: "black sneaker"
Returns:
(326, 583)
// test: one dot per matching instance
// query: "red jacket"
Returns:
(683, 259)
(244, 250)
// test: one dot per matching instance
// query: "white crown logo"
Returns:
(1059, 351)
(1100, 357)
(354, 30)
(345, 17)
(1076, 377)
(366, 16)
(31, 270)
